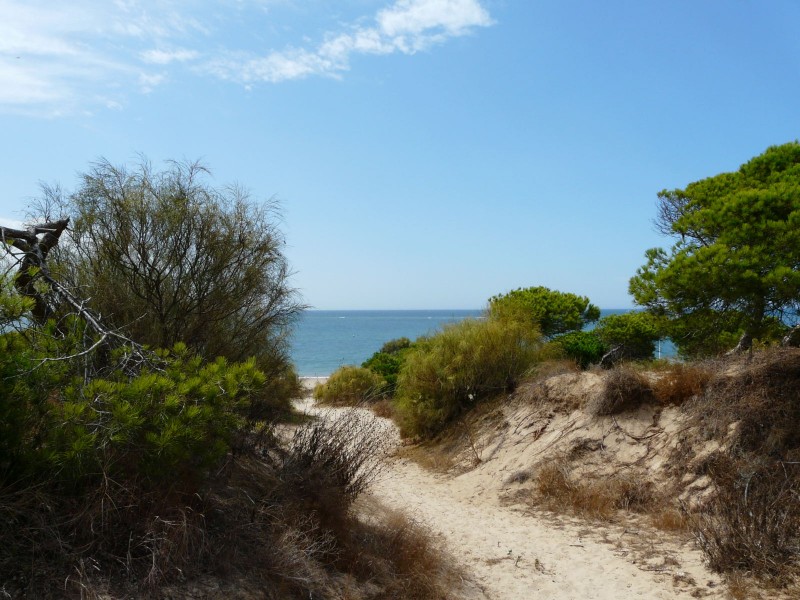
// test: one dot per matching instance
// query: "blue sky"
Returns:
(426, 153)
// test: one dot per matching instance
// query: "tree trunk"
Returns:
(792, 339)
(745, 344)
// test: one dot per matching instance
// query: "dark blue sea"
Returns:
(325, 340)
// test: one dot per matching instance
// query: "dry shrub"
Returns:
(402, 555)
(763, 397)
(669, 519)
(752, 524)
(625, 389)
(554, 366)
(278, 519)
(599, 498)
(383, 408)
(680, 382)
(330, 463)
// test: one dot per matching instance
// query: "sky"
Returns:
(425, 153)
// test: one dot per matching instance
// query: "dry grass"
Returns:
(598, 499)
(626, 389)
(669, 519)
(276, 520)
(383, 408)
(680, 382)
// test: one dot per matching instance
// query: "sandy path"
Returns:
(513, 555)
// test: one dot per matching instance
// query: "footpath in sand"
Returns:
(512, 553)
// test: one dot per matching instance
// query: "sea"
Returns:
(325, 340)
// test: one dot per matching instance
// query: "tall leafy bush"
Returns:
(465, 363)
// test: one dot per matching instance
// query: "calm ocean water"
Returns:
(325, 340)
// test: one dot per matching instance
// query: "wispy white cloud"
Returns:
(59, 58)
(407, 26)
(164, 57)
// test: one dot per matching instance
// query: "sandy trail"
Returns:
(510, 554)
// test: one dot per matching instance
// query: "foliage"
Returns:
(463, 364)
(395, 346)
(388, 361)
(170, 423)
(637, 332)
(350, 385)
(552, 312)
(169, 258)
(584, 347)
(734, 265)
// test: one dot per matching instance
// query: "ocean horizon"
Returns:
(325, 340)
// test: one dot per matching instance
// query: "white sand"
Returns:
(512, 553)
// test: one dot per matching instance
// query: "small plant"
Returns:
(597, 498)
(625, 389)
(680, 382)
(351, 385)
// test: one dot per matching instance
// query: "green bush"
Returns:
(172, 422)
(637, 332)
(388, 361)
(553, 312)
(584, 347)
(350, 385)
(465, 363)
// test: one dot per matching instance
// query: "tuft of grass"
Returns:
(625, 389)
(680, 382)
(599, 499)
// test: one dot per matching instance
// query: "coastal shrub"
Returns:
(388, 361)
(625, 390)
(167, 256)
(752, 523)
(350, 385)
(551, 311)
(636, 332)
(584, 347)
(465, 363)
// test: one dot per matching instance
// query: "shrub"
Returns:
(753, 522)
(350, 385)
(551, 311)
(388, 361)
(680, 382)
(625, 389)
(584, 347)
(636, 332)
(465, 363)
(598, 498)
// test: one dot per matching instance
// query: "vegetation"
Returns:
(584, 347)
(733, 268)
(388, 361)
(168, 258)
(636, 333)
(550, 311)
(351, 385)
(462, 365)
(126, 470)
